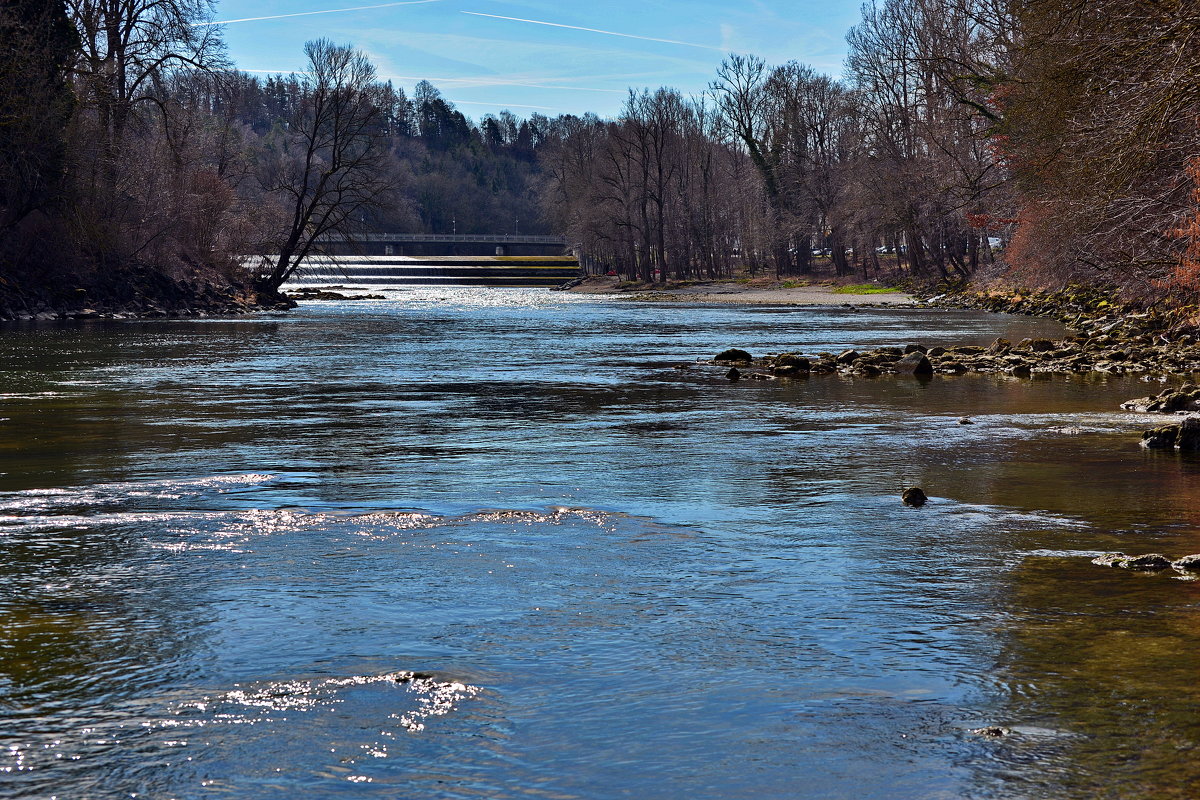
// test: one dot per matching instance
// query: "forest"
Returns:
(1043, 141)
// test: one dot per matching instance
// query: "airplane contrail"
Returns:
(593, 30)
(310, 13)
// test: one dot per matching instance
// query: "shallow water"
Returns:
(492, 543)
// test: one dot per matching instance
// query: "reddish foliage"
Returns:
(1187, 272)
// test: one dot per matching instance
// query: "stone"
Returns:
(1021, 371)
(733, 374)
(1161, 438)
(791, 364)
(1189, 434)
(951, 368)
(1187, 563)
(1149, 562)
(914, 496)
(914, 348)
(915, 363)
(992, 731)
(1110, 560)
(733, 354)
(965, 421)
(848, 357)
(936, 352)
(1000, 346)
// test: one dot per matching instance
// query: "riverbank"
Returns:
(133, 294)
(756, 291)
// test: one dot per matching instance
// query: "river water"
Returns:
(493, 544)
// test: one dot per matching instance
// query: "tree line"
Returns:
(1055, 139)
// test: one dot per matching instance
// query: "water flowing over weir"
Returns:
(491, 543)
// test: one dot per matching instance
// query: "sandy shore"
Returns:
(744, 293)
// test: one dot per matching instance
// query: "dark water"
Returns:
(226, 546)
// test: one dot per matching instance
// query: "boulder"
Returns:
(936, 352)
(848, 357)
(915, 363)
(733, 374)
(1189, 434)
(999, 347)
(1161, 438)
(791, 364)
(914, 348)
(914, 496)
(734, 355)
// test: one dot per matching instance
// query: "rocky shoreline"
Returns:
(136, 295)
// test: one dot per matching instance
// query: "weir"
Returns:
(390, 259)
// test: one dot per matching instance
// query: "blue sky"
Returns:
(541, 56)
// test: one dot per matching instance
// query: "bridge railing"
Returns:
(401, 238)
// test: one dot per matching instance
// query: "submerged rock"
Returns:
(733, 374)
(914, 496)
(992, 731)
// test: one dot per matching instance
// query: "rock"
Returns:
(999, 347)
(1021, 371)
(762, 376)
(1038, 345)
(1187, 563)
(735, 355)
(789, 364)
(951, 368)
(965, 421)
(866, 370)
(915, 363)
(914, 348)
(1189, 434)
(992, 731)
(914, 496)
(733, 374)
(1148, 562)
(1161, 438)
(848, 357)
(936, 352)
(1110, 560)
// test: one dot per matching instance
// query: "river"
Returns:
(492, 543)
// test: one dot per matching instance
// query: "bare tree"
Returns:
(325, 169)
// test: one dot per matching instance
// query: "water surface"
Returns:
(494, 543)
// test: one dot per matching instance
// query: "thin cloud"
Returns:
(593, 30)
(310, 13)
(463, 83)
(501, 105)
(502, 81)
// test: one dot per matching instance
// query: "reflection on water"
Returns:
(492, 543)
